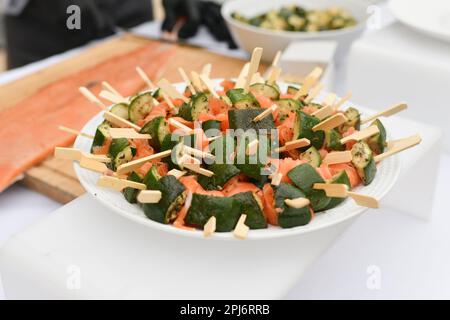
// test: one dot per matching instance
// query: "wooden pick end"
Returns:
(364, 200)
(210, 227)
(241, 230)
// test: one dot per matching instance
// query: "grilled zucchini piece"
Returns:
(339, 178)
(121, 110)
(354, 120)
(333, 140)
(158, 129)
(377, 142)
(140, 107)
(241, 100)
(303, 129)
(226, 210)
(312, 156)
(266, 90)
(173, 197)
(290, 217)
(362, 159)
(198, 105)
(130, 194)
(243, 119)
(101, 134)
(251, 206)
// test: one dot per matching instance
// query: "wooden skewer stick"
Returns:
(329, 99)
(294, 144)
(135, 164)
(108, 95)
(254, 65)
(209, 85)
(117, 133)
(314, 92)
(297, 202)
(206, 70)
(170, 90)
(168, 101)
(256, 78)
(145, 78)
(241, 229)
(210, 227)
(274, 75)
(198, 153)
(91, 97)
(330, 123)
(240, 82)
(120, 122)
(276, 59)
(76, 155)
(93, 165)
(149, 196)
(341, 191)
(180, 126)
(187, 80)
(197, 168)
(76, 132)
(341, 101)
(176, 173)
(360, 135)
(265, 113)
(195, 77)
(276, 178)
(399, 146)
(119, 184)
(110, 88)
(309, 82)
(336, 157)
(252, 147)
(323, 112)
(386, 113)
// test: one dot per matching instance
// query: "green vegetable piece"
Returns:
(339, 178)
(303, 129)
(378, 142)
(226, 210)
(251, 206)
(363, 160)
(140, 107)
(243, 119)
(290, 217)
(158, 129)
(241, 100)
(130, 194)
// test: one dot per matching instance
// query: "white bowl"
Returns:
(387, 174)
(249, 37)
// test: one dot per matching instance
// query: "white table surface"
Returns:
(410, 255)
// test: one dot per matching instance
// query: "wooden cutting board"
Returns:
(56, 178)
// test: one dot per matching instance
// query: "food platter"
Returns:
(388, 171)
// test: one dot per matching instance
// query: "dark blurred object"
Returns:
(194, 13)
(39, 30)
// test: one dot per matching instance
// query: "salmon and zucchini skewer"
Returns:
(280, 164)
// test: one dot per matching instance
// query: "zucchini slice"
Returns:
(140, 107)
(241, 100)
(130, 194)
(354, 120)
(117, 145)
(121, 152)
(101, 134)
(198, 104)
(226, 210)
(312, 156)
(290, 217)
(266, 90)
(251, 206)
(333, 140)
(222, 174)
(285, 106)
(338, 178)
(158, 129)
(292, 90)
(362, 159)
(120, 110)
(151, 179)
(212, 128)
(303, 129)
(305, 176)
(173, 197)
(243, 119)
(377, 142)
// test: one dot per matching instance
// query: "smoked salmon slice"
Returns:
(29, 130)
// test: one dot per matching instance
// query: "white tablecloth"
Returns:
(355, 264)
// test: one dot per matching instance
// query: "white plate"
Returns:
(431, 17)
(387, 174)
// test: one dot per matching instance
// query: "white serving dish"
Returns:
(430, 17)
(249, 37)
(385, 179)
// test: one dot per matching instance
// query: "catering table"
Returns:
(385, 254)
